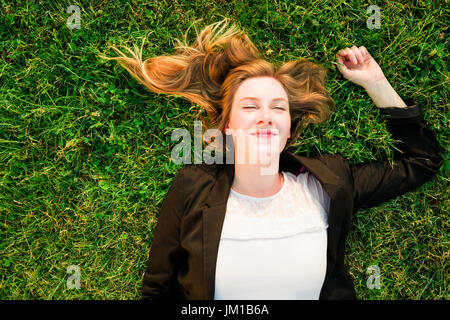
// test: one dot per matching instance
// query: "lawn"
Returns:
(85, 150)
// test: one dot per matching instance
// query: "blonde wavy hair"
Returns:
(209, 72)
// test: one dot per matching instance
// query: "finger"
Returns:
(342, 52)
(358, 54)
(351, 56)
(341, 66)
(364, 52)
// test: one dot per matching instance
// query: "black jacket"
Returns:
(183, 254)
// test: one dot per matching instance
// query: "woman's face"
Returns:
(260, 117)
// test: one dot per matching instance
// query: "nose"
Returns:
(265, 116)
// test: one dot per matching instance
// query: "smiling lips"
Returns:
(264, 133)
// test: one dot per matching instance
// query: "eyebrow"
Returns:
(254, 98)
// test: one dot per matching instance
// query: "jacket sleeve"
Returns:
(160, 278)
(418, 160)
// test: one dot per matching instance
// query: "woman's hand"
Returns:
(358, 66)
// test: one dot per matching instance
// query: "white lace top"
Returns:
(274, 247)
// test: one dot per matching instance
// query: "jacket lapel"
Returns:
(213, 217)
(215, 207)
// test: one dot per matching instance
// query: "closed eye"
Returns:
(253, 106)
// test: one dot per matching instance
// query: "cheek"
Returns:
(243, 120)
(287, 126)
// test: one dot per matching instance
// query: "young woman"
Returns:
(238, 231)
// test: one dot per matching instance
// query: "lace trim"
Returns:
(295, 209)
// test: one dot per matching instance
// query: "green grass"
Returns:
(84, 149)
